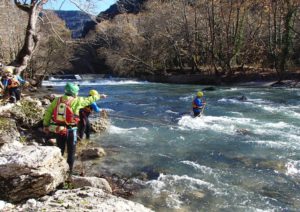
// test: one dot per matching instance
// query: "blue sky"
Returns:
(55, 5)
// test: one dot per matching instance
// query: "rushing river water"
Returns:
(242, 155)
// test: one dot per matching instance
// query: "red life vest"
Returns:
(195, 106)
(63, 113)
(13, 83)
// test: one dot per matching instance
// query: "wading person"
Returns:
(198, 104)
(61, 118)
(84, 126)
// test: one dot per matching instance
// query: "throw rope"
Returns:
(142, 119)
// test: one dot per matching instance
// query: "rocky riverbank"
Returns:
(33, 174)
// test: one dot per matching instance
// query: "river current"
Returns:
(242, 155)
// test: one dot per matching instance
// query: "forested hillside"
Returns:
(203, 36)
(139, 38)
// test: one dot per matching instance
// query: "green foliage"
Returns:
(30, 110)
(5, 124)
(178, 36)
(68, 185)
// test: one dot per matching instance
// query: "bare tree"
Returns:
(33, 9)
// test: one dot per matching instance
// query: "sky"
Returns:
(101, 5)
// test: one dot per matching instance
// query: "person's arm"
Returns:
(198, 102)
(81, 102)
(21, 80)
(48, 113)
(95, 107)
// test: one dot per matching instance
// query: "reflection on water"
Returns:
(243, 155)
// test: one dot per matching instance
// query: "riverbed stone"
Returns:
(96, 182)
(101, 123)
(92, 153)
(84, 199)
(31, 172)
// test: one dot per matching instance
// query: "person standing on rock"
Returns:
(13, 84)
(198, 104)
(84, 125)
(61, 118)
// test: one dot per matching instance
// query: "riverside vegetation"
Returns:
(208, 40)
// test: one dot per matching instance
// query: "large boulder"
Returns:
(82, 199)
(28, 112)
(9, 135)
(31, 172)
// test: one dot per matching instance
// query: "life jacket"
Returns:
(63, 114)
(195, 106)
(13, 83)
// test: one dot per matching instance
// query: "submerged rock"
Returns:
(92, 153)
(209, 89)
(31, 172)
(149, 173)
(243, 132)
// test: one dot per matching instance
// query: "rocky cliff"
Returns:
(78, 22)
(122, 6)
(13, 23)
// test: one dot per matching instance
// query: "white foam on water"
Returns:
(271, 144)
(222, 124)
(282, 110)
(90, 83)
(277, 125)
(237, 113)
(173, 201)
(107, 109)
(171, 182)
(293, 168)
(186, 98)
(172, 112)
(118, 130)
(203, 169)
(181, 138)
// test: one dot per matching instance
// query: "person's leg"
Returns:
(12, 95)
(71, 145)
(196, 113)
(87, 128)
(18, 94)
(81, 124)
(61, 142)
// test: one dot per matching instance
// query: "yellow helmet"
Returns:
(199, 94)
(93, 92)
(8, 69)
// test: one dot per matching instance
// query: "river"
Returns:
(242, 155)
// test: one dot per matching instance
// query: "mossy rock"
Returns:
(6, 124)
(28, 112)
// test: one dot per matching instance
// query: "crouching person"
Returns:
(13, 84)
(61, 118)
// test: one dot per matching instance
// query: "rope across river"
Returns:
(142, 119)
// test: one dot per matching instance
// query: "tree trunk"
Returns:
(287, 41)
(31, 36)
